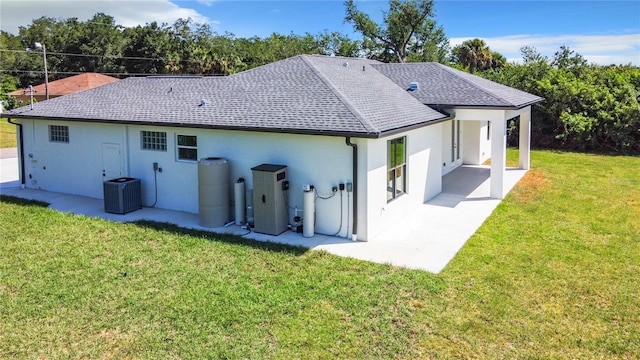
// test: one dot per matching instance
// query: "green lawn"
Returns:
(552, 274)
(7, 134)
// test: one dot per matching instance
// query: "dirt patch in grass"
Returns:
(634, 203)
(510, 163)
(534, 182)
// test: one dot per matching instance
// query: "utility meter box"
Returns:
(270, 183)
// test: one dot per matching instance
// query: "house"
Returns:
(389, 132)
(66, 86)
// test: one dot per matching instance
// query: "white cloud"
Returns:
(15, 13)
(600, 49)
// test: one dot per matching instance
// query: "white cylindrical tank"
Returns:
(213, 192)
(239, 201)
(308, 212)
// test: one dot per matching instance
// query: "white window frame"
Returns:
(153, 140)
(59, 134)
(190, 147)
(396, 171)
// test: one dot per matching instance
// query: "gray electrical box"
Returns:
(269, 207)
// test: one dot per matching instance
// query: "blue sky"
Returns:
(603, 31)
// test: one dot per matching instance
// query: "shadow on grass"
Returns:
(227, 238)
(177, 230)
(24, 202)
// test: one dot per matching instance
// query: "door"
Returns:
(455, 141)
(111, 161)
(452, 150)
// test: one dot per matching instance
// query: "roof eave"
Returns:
(484, 107)
(370, 135)
(412, 127)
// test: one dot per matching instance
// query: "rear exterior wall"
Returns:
(97, 152)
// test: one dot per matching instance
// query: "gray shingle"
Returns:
(303, 94)
(381, 105)
(441, 85)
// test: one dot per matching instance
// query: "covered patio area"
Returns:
(498, 184)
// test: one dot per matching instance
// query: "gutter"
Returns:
(354, 232)
(296, 131)
(21, 147)
(485, 107)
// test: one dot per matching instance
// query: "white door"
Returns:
(111, 161)
(452, 149)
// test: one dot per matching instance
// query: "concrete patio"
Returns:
(427, 239)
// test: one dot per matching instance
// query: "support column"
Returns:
(525, 139)
(498, 157)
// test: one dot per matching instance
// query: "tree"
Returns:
(146, 47)
(474, 54)
(338, 44)
(586, 107)
(408, 29)
(497, 60)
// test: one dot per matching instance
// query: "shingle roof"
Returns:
(303, 94)
(441, 86)
(306, 94)
(71, 84)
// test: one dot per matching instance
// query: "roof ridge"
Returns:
(358, 115)
(451, 71)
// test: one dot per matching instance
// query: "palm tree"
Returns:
(474, 54)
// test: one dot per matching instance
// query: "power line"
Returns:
(109, 57)
(105, 73)
(87, 55)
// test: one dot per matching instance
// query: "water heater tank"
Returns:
(213, 192)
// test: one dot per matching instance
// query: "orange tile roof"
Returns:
(70, 85)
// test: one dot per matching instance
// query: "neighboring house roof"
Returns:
(69, 85)
(441, 86)
(305, 94)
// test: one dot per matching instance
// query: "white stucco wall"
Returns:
(477, 148)
(321, 161)
(424, 177)
(76, 168)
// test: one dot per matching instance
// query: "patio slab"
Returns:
(427, 239)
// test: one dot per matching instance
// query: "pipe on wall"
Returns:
(21, 148)
(354, 232)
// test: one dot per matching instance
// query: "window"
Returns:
(187, 147)
(153, 140)
(396, 168)
(59, 133)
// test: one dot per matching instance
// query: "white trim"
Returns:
(178, 147)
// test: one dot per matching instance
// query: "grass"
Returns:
(551, 274)
(7, 134)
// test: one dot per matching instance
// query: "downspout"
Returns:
(21, 146)
(354, 233)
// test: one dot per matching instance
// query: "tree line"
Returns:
(587, 106)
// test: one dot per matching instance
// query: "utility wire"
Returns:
(88, 55)
(105, 73)
(109, 57)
